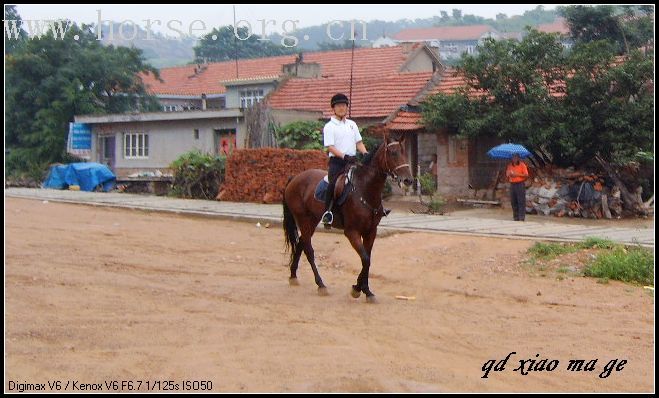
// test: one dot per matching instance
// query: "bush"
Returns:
(301, 135)
(198, 175)
(429, 187)
(634, 264)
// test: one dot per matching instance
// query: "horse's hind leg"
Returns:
(295, 260)
(305, 241)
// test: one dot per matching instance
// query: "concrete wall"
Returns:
(285, 116)
(167, 139)
(453, 165)
(233, 93)
(427, 147)
(420, 63)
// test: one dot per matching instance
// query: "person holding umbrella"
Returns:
(517, 174)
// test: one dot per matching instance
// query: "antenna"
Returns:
(352, 63)
(235, 38)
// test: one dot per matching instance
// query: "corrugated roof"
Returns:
(558, 26)
(471, 32)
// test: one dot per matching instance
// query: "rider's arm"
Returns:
(361, 148)
(332, 149)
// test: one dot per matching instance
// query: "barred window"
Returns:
(136, 146)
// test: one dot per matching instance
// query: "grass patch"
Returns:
(547, 251)
(634, 264)
(593, 242)
(603, 259)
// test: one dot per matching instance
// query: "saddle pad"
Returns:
(321, 189)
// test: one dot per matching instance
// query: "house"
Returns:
(204, 106)
(560, 27)
(451, 41)
(384, 79)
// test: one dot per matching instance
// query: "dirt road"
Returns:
(97, 295)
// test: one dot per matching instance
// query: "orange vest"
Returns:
(519, 169)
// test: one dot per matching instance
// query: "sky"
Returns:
(183, 17)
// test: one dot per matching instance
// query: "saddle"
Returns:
(342, 189)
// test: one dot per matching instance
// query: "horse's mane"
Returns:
(371, 154)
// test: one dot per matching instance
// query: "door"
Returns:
(225, 140)
(108, 151)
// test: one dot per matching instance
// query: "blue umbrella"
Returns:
(506, 151)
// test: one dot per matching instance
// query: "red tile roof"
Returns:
(558, 26)
(372, 96)
(368, 62)
(471, 32)
(405, 121)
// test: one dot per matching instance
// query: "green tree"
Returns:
(627, 27)
(227, 45)
(329, 46)
(50, 80)
(15, 35)
(605, 109)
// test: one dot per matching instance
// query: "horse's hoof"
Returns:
(293, 282)
(355, 293)
(322, 291)
(371, 300)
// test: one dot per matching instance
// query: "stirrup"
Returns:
(328, 218)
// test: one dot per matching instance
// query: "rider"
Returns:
(342, 139)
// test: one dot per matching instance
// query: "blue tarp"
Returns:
(87, 175)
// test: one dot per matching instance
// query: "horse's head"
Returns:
(393, 161)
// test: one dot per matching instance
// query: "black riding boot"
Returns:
(328, 217)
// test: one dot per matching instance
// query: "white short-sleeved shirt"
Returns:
(344, 135)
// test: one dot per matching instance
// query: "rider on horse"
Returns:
(342, 139)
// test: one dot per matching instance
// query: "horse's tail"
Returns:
(290, 228)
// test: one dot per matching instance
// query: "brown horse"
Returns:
(359, 216)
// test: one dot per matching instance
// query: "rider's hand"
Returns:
(349, 158)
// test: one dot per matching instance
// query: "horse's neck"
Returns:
(370, 181)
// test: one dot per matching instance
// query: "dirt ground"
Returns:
(98, 295)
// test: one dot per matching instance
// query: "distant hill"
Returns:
(159, 51)
(163, 52)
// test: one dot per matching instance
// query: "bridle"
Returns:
(389, 171)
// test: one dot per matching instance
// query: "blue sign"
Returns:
(80, 140)
(80, 136)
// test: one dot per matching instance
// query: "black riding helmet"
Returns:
(339, 99)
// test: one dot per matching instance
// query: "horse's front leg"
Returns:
(364, 251)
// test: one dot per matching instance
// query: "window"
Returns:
(250, 97)
(136, 146)
(470, 49)
(196, 134)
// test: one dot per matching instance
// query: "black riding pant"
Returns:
(336, 167)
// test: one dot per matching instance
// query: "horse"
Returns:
(358, 216)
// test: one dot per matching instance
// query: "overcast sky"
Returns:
(217, 15)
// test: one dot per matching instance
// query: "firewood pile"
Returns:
(575, 193)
